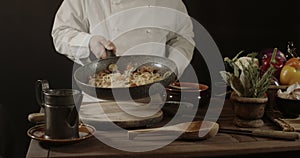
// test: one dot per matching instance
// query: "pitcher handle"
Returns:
(40, 87)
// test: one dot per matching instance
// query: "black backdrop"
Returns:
(27, 52)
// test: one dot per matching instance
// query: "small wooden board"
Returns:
(286, 124)
(122, 114)
(295, 123)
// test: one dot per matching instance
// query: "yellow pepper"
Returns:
(290, 73)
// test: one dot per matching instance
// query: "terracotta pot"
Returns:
(248, 108)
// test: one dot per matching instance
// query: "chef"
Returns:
(86, 28)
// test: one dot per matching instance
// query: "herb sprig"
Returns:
(246, 79)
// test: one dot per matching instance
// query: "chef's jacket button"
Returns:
(116, 2)
(116, 29)
(148, 31)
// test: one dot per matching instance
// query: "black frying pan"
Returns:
(163, 65)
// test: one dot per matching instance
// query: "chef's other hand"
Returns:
(98, 46)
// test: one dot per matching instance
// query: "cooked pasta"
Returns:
(129, 78)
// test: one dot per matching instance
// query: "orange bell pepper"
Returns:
(290, 73)
(294, 62)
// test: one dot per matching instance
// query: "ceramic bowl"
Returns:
(288, 107)
(195, 93)
(172, 107)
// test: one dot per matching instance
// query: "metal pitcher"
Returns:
(60, 106)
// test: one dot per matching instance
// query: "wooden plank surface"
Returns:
(220, 145)
(36, 150)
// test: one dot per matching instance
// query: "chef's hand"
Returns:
(98, 46)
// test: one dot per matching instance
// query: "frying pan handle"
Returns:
(85, 61)
(40, 87)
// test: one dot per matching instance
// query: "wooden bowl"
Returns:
(272, 92)
(288, 107)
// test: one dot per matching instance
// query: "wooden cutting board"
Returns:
(122, 114)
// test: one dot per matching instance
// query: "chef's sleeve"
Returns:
(181, 44)
(70, 30)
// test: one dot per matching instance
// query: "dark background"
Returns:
(27, 53)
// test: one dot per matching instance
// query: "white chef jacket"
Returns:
(149, 27)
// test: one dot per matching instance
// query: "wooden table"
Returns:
(222, 145)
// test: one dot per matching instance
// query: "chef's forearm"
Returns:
(73, 44)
